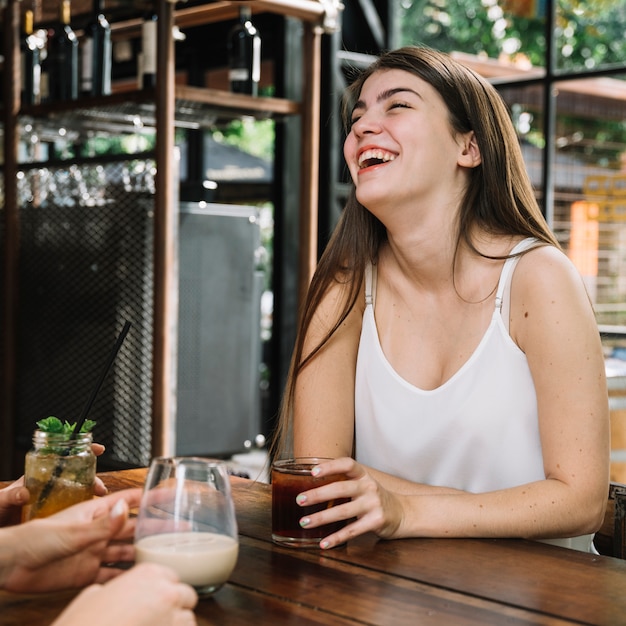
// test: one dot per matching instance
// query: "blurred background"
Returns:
(196, 207)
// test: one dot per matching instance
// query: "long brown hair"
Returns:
(499, 198)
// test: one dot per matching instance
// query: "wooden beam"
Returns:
(165, 236)
(310, 11)
(309, 174)
(11, 106)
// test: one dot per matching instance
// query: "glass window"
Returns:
(526, 104)
(590, 187)
(589, 34)
(508, 36)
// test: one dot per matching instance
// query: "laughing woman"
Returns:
(448, 358)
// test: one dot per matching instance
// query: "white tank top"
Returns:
(477, 432)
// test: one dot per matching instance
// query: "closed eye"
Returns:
(399, 105)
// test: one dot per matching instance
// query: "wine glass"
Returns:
(187, 521)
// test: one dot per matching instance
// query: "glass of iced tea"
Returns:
(187, 521)
(58, 472)
(289, 478)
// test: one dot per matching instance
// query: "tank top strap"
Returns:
(503, 294)
(370, 284)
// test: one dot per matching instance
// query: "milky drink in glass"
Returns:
(289, 478)
(187, 521)
(202, 559)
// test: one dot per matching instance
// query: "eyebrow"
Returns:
(384, 95)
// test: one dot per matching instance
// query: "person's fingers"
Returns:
(18, 495)
(119, 552)
(98, 507)
(119, 511)
(341, 465)
(99, 487)
(131, 496)
(188, 596)
(186, 618)
(105, 574)
(12, 499)
(15, 493)
(114, 523)
(97, 448)
(182, 594)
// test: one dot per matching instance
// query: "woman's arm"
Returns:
(68, 549)
(553, 322)
(323, 420)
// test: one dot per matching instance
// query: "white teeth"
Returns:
(377, 154)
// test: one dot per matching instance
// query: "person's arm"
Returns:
(146, 595)
(553, 323)
(68, 549)
(323, 422)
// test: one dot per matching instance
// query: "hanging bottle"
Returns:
(63, 58)
(96, 54)
(148, 55)
(31, 65)
(244, 55)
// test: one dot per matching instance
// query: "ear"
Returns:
(470, 152)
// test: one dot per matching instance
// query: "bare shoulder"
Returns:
(330, 308)
(548, 295)
(546, 268)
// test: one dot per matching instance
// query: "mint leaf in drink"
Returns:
(87, 426)
(51, 425)
(55, 425)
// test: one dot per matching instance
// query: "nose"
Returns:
(367, 123)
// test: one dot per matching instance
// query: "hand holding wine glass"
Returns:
(187, 521)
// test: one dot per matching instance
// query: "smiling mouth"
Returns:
(368, 158)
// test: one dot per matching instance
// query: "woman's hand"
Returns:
(372, 507)
(146, 595)
(68, 549)
(99, 489)
(12, 498)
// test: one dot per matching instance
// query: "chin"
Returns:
(372, 201)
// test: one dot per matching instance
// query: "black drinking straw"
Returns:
(45, 492)
(105, 371)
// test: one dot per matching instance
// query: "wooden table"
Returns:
(387, 583)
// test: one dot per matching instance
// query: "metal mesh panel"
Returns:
(85, 267)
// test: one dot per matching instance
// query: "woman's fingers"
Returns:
(365, 509)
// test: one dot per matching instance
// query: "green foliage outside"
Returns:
(103, 144)
(253, 137)
(589, 35)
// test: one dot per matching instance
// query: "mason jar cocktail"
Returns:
(58, 472)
